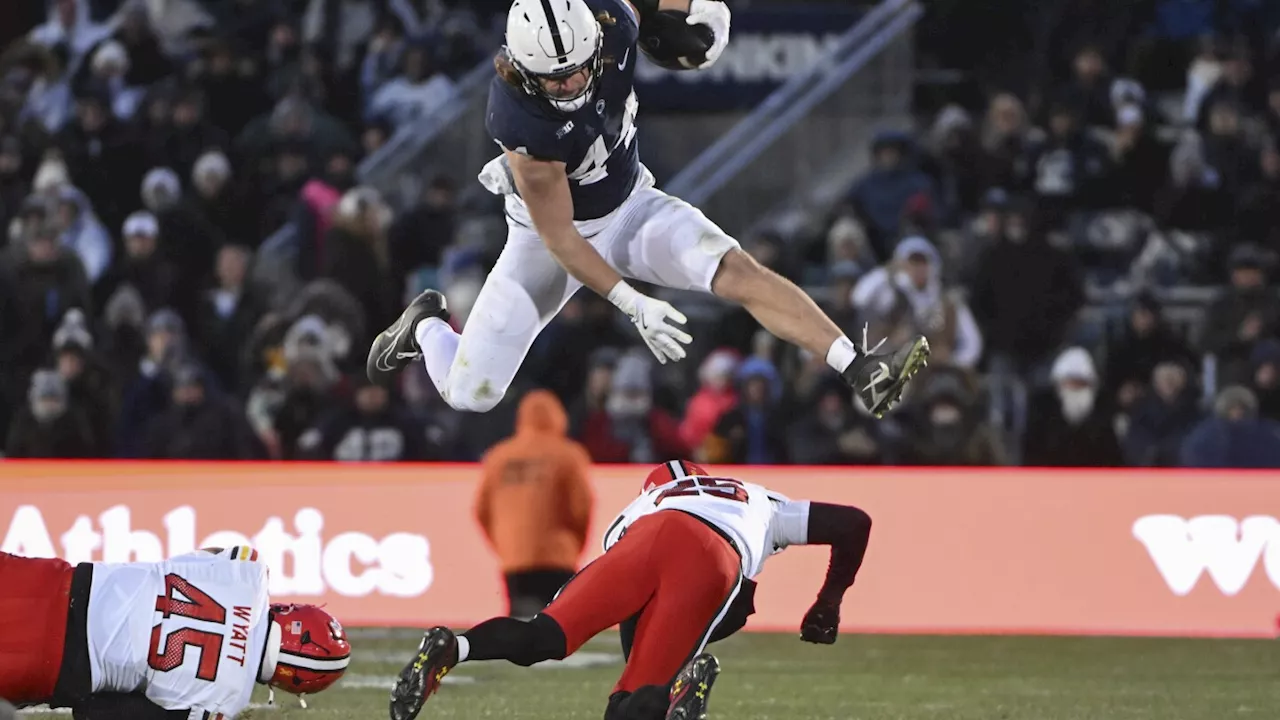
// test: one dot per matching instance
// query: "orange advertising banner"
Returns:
(1123, 552)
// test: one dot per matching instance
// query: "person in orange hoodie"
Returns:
(534, 503)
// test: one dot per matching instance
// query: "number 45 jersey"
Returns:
(760, 522)
(190, 632)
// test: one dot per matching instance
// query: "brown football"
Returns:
(669, 41)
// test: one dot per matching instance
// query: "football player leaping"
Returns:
(582, 210)
(676, 574)
(183, 639)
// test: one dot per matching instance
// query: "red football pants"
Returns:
(35, 594)
(674, 570)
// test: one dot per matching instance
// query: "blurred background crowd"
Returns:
(1080, 148)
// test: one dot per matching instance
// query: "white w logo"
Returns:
(1183, 549)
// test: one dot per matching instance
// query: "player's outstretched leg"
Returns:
(692, 688)
(787, 312)
(396, 347)
(437, 654)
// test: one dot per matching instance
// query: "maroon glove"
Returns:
(821, 623)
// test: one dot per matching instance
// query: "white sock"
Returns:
(439, 343)
(842, 353)
(464, 648)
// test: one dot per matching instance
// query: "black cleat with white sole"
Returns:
(396, 347)
(692, 688)
(879, 379)
(437, 654)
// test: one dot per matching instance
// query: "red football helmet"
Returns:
(671, 470)
(314, 651)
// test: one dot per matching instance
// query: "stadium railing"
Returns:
(809, 135)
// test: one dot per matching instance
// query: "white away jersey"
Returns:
(759, 521)
(189, 632)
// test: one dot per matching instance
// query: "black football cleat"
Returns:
(437, 654)
(692, 688)
(396, 346)
(879, 379)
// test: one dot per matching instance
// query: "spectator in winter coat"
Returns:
(1161, 420)
(1088, 88)
(356, 255)
(71, 26)
(879, 197)
(191, 241)
(1146, 342)
(1025, 293)
(1235, 437)
(1140, 159)
(290, 396)
(372, 427)
(754, 431)
(1069, 427)
(89, 383)
(142, 265)
(714, 398)
(148, 388)
(949, 429)
(626, 426)
(834, 433)
(110, 68)
(1266, 378)
(1006, 133)
(1068, 169)
(1246, 313)
(225, 204)
(200, 425)
(102, 157)
(907, 297)
(50, 427)
(49, 281)
(534, 504)
(226, 315)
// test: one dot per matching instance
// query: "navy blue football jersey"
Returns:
(596, 142)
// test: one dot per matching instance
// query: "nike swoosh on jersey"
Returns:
(623, 65)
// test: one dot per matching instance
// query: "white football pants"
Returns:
(652, 237)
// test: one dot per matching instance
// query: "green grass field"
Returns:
(774, 677)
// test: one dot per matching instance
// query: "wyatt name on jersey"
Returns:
(595, 142)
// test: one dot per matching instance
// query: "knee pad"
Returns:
(472, 397)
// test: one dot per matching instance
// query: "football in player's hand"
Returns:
(668, 40)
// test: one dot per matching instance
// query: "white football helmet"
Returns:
(549, 39)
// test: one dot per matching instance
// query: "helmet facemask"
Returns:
(532, 82)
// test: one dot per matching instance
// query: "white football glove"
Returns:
(654, 319)
(715, 15)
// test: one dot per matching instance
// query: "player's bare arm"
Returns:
(544, 185)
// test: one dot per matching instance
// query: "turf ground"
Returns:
(774, 677)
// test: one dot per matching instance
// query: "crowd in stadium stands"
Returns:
(144, 159)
